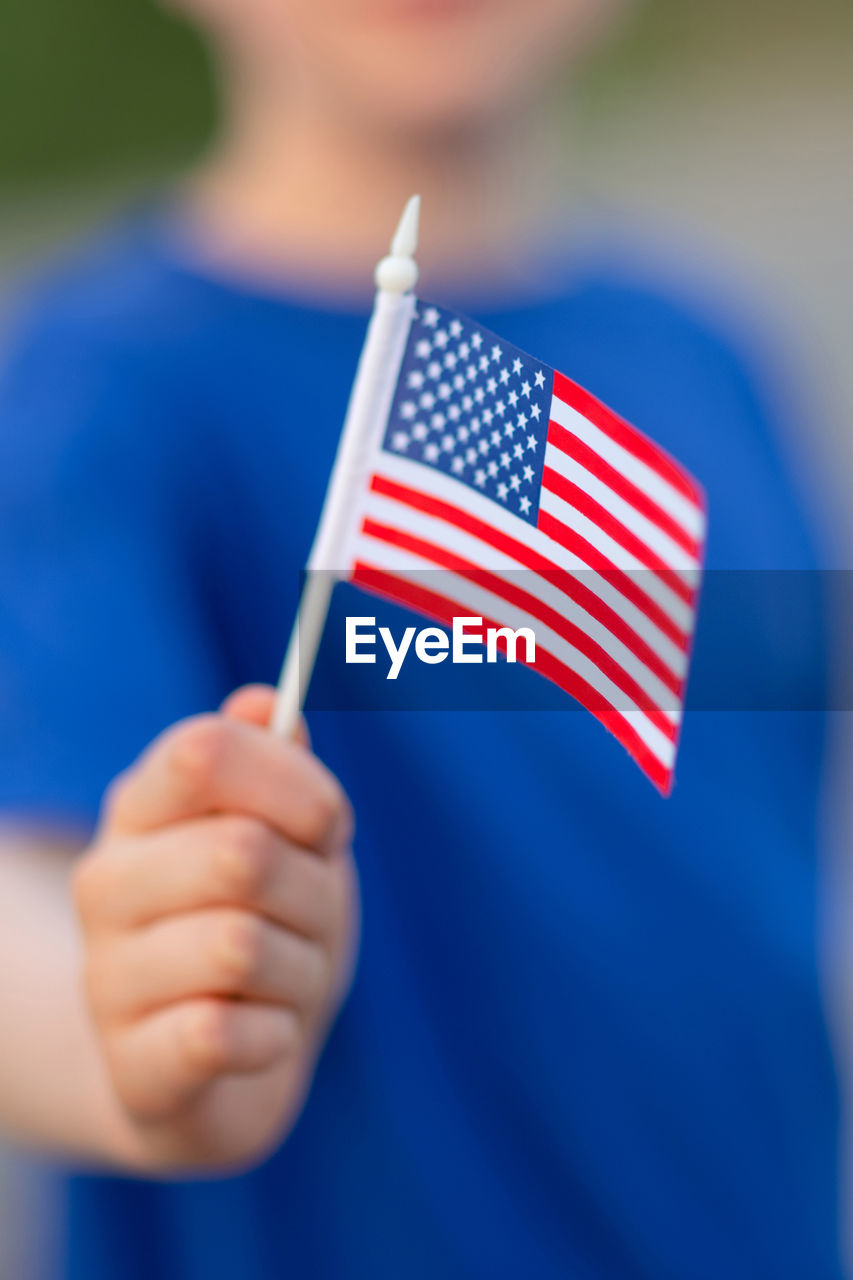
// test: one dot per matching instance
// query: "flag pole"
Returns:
(370, 401)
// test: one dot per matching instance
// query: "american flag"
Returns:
(543, 509)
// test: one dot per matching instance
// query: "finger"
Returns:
(162, 1060)
(254, 704)
(209, 953)
(212, 764)
(213, 862)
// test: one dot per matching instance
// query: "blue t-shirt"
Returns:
(585, 1038)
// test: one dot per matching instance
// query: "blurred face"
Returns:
(406, 63)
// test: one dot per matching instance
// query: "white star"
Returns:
(453, 412)
(467, 404)
(471, 456)
(487, 416)
(440, 338)
(484, 363)
(476, 341)
(464, 350)
(504, 376)
(474, 424)
(462, 434)
(408, 409)
(524, 504)
(496, 352)
(500, 407)
(483, 446)
(531, 442)
(457, 466)
(415, 380)
(479, 395)
(535, 411)
(470, 373)
(447, 444)
(434, 369)
(496, 437)
(400, 441)
(516, 365)
(522, 420)
(420, 431)
(422, 349)
(480, 477)
(518, 450)
(449, 360)
(430, 317)
(437, 420)
(491, 386)
(514, 482)
(504, 459)
(428, 400)
(455, 328)
(528, 474)
(525, 388)
(431, 452)
(502, 492)
(492, 468)
(509, 429)
(444, 390)
(539, 378)
(458, 382)
(513, 399)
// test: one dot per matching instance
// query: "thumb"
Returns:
(254, 704)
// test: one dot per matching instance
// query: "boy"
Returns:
(585, 1037)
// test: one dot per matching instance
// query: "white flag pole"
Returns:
(370, 401)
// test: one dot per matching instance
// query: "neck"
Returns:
(295, 193)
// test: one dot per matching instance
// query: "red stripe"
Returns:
(441, 609)
(572, 445)
(629, 438)
(561, 578)
(587, 506)
(536, 608)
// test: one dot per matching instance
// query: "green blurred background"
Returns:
(724, 124)
(96, 86)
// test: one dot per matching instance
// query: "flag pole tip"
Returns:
(398, 273)
(405, 242)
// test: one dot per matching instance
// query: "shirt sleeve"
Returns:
(104, 635)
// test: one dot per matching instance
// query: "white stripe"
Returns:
(440, 533)
(478, 601)
(646, 579)
(658, 542)
(429, 480)
(690, 516)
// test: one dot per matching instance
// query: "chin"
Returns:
(437, 115)
(441, 94)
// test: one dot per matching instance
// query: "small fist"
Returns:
(218, 904)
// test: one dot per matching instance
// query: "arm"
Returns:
(54, 1089)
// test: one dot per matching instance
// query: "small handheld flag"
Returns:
(542, 507)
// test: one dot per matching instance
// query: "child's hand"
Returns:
(219, 908)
